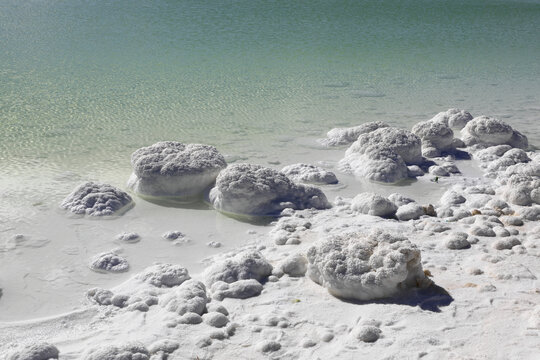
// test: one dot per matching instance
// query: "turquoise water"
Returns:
(84, 83)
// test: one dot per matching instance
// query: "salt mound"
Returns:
(453, 118)
(383, 155)
(485, 130)
(133, 351)
(97, 199)
(170, 168)
(309, 174)
(188, 297)
(373, 204)
(346, 136)
(243, 266)
(256, 190)
(40, 351)
(109, 261)
(241, 289)
(410, 211)
(437, 137)
(164, 275)
(352, 265)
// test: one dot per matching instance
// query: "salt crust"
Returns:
(346, 136)
(248, 189)
(309, 174)
(174, 169)
(383, 155)
(353, 265)
(96, 199)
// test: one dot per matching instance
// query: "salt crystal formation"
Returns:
(346, 136)
(354, 266)
(95, 199)
(489, 131)
(173, 169)
(453, 118)
(309, 174)
(383, 155)
(110, 262)
(247, 189)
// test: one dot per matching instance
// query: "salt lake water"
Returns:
(85, 83)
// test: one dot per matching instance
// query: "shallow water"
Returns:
(85, 83)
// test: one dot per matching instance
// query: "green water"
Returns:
(84, 83)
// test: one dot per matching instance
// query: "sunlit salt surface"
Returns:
(83, 84)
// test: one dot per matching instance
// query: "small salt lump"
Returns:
(39, 351)
(309, 174)
(243, 266)
(109, 261)
(373, 204)
(346, 136)
(95, 199)
(454, 118)
(164, 275)
(356, 266)
(186, 298)
(174, 169)
(254, 190)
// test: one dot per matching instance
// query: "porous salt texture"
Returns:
(174, 169)
(39, 351)
(132, 351)
(242, 266)
(437, 138)
(346, 136)
(109, 261)
(164, 275)
(453, 118)
(240, 289)
(383, 155)
(190, 296)
(373, 204)
(489, 131)
(309, 174)
(353, 265)
(248, 189)
(95, 199)
(410, 211)
(128, 237)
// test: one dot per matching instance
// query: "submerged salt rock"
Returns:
(134, 351)
(255, 190)
(39, 351)
(352, 265)
(128, 237)
(309, 174)
(454, 118)
(164, 275)
(109, 261)
(373, 204)
(346, 136)
(411, 211)
(170, 168)
(243, 266)
(188, 297)
(485, 130)
(95, 199)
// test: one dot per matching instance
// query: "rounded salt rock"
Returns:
(254, 190)
(174, 169)
(96, 199)
(309, 174)
(354, 266)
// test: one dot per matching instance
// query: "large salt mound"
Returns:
(97, 199)
(437, 137)
(346, 136)
(383, 155)
(243, 266)
(488, 131)
(248, 189)
(352, 265)
(453, 118)
(173, 169)
(40, 351)
(309, 174)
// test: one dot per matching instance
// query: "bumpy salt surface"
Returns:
(309, 174)
(173, 169)
(255, 190)
(383, 155)
(346, 136)
(96, 199)
(356, 266)
(489, 131)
